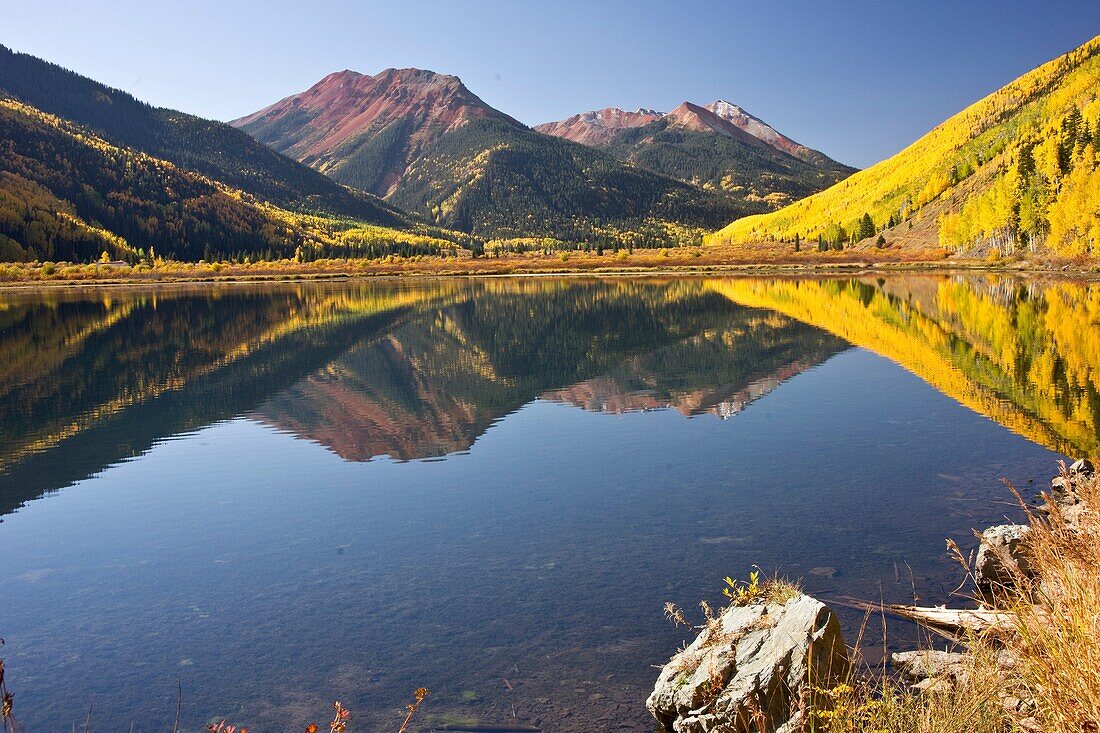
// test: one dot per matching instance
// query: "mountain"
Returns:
(428, 144)
(348, 125)
(1015, 172)
(598, 127)
(68, 195)
(756, 127)
(718, 146)
(88, 169)
(212, 149)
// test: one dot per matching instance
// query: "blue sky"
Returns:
(858, 80)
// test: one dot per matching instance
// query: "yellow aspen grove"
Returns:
(998, 175)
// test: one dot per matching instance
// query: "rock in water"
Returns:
(748, 671)
(1082, 468)
(1001, 563)
(918, 666)
(926, 667)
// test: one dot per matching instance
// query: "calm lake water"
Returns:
(283, 495)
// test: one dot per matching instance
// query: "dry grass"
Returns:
(685, 259)
(1058, 616)
(1053, 682)
(972, 703)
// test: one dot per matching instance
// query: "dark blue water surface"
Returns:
(283, 495)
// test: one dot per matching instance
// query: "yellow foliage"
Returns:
(1075, 213)
(1028, 363)
(986, 140)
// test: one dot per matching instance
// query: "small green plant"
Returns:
(742, 594)
(845, 709)
(768, 590)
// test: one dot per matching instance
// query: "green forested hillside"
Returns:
(722, 163)
(1016, 171)
(213, 149)
(68, 195)
(498, 180)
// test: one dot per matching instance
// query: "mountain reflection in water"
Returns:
(240, 501)
(367, 369)
(421, 370)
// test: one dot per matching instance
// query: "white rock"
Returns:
(1082, 468)
(748, 673)
(1001, 562)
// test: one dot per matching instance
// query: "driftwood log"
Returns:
(951, 622)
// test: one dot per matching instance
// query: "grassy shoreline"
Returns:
(635, 265)
(1036, 670)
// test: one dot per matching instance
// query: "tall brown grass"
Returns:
(1043, 675)
(1057, 639)
(972, 702)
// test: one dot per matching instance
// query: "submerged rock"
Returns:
(750, 669)
(928, 664)
(1001, 562)
(1065, 492)
(929, 670)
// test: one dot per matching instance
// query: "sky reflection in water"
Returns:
(285, 495)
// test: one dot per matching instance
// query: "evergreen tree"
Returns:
(866, 227)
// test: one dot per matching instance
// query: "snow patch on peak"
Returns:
(722, 108)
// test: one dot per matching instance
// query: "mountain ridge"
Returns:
(212, 149)
(597, 127)
(718, 146)
(428, 144)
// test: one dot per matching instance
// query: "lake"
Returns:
(280, 495)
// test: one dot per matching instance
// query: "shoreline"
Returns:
(1004, 657)
(348, 274)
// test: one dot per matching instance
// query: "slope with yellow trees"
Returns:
(1016, 172)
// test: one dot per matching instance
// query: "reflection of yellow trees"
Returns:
(1022, 355)
(38, 351)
